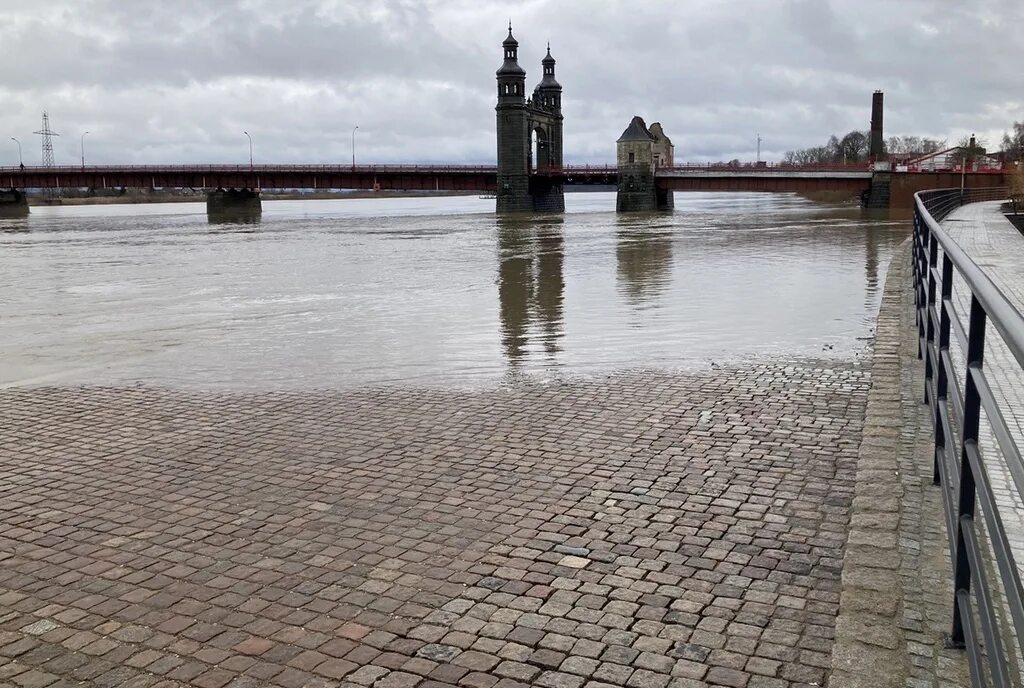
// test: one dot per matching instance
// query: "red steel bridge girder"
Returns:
(479, 178)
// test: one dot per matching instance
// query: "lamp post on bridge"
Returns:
(21, 161)
(250, 149)
(354, 147)
(82, 145)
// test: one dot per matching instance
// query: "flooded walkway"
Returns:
(418, 446)
(637, 530)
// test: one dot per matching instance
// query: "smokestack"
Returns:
(877, 145)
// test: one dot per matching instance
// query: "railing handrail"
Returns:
(427, 168)
(992, 637)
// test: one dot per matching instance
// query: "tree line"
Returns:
(854, 147)
(1013, 143)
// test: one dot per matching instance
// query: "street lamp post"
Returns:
(250, 149)
(82, 142)
(354, 147)
(21, 161)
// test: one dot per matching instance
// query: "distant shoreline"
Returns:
(823, 197)
(133, 199)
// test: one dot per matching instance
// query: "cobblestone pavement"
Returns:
(897, 594)
(644, 530)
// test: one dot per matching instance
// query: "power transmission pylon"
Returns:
(46, 133)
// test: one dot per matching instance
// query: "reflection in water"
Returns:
(13, 225)
(871, 263)
(643, 255)
(235, 221)
(530, 284)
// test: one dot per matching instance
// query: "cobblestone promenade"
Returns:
(643, 530)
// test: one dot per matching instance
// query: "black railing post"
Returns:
(929, 364)
(923, 234)
(915, 240)
(942, 378)
(966, 498)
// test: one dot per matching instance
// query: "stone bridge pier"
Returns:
(233, 205)
(13, 203)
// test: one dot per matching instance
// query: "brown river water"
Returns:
(432, 291)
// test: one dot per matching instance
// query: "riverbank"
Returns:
(137, 198)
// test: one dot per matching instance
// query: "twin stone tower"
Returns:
(530, 176)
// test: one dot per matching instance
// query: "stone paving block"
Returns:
(616, 531)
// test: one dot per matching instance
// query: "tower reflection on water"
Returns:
(531, 287)
(643, 258)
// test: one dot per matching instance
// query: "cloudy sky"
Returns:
(156, 81)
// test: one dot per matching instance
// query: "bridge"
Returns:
(484, 178)
(529, 175)
(856, 180)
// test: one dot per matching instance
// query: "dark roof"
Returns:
(636, 131)
(548, 82)
(510, 67)
(510, 41)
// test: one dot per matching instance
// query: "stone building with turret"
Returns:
(639, 152)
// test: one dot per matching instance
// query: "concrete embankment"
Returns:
(896, 602)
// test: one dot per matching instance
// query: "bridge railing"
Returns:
(988, 604)
(768, 166)
(254, 169)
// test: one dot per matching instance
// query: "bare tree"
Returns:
(913, 145)
(1013, 143)
(854, 147)
(971, 148)
(1016, 183)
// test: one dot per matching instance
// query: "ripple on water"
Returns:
(435, 291)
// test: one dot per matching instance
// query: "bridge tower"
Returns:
(639, 152)
(529, 136)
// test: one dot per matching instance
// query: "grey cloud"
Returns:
(178, 82)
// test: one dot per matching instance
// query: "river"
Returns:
(432, 291)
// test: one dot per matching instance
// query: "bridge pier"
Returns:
(233, 205)
(878, 195)
(513, 194)
(13, 203)
(547, 195)
(637, 192)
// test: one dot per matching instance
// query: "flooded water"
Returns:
(431, 291)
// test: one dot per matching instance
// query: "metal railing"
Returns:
(163, 169)
(769, 167)
(988, 604)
